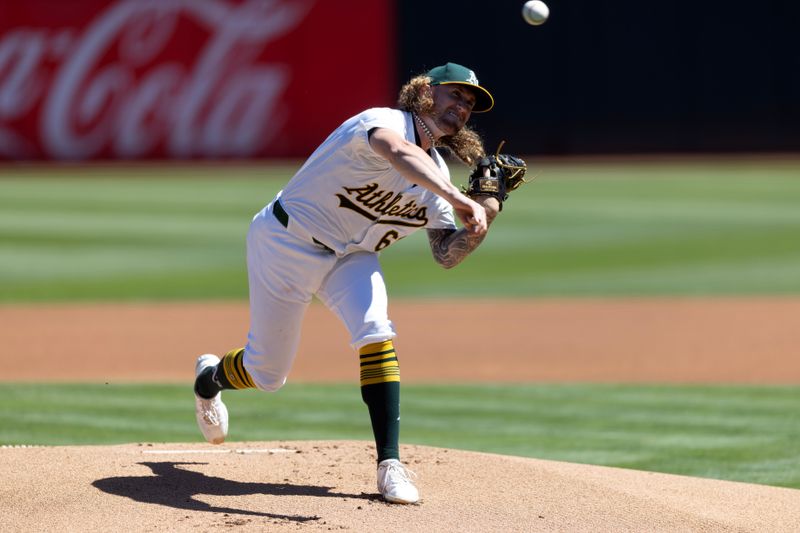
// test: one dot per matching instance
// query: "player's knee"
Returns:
(269, 383)
(267, 378)
(267, 373)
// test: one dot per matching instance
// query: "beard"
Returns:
(447, 123)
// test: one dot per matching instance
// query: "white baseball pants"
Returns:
(284, 273)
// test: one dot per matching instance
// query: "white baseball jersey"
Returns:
(351, 199)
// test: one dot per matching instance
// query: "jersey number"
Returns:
(386, 240)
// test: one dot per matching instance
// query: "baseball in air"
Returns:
(535, 12)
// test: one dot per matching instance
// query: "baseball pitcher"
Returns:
(376, 179)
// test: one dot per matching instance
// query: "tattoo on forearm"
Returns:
(450, 246)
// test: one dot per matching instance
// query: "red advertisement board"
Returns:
(153, 79)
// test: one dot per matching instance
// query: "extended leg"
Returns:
(280, 291)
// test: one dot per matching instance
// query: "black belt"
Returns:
(283, 217)
(280, 213)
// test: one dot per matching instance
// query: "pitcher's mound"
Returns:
(321, 486)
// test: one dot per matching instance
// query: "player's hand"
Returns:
(472, 216)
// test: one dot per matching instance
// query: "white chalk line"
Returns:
(243, 451)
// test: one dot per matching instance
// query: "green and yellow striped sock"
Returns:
(380, 390)
(234, 375)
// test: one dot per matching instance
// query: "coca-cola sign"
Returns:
(186, 78)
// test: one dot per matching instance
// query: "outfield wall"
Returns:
(623, 76)
(178, 79)
(103, 79)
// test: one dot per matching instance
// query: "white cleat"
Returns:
(211, 414)
(394, 482)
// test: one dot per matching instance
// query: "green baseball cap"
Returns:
(453, 73)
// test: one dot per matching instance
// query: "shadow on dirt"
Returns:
(175, 487)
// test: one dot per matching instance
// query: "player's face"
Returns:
(452, 106)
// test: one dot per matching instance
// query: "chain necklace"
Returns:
(425, 128)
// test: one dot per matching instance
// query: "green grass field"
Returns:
(78, 233)
(738, 433)
(112, 233)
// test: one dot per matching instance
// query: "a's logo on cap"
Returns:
(472, 78)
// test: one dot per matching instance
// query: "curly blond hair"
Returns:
(466, 145)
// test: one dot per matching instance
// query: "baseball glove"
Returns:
(497, 175)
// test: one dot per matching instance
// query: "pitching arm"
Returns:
(416, 166)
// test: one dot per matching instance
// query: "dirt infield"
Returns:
(637, 340)
(329, 486)
(308, 486)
